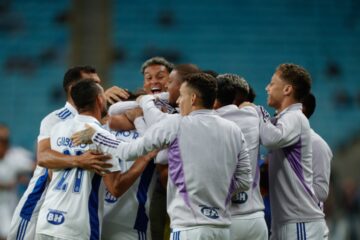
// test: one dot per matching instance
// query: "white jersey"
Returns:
(73, 205)
(24, 219)
(248, 120)
(126, 217)
(292, 195)
(208, 161)
(321, 166)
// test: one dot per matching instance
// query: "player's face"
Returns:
(92, 76)
(156, 78)
(174, 87)
(275, 91)
(185, 100)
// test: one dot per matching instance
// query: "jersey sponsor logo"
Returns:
(240, 198)
(109, 198)
(55, 217)
(209, 212)
(67, 142)
(127, 134)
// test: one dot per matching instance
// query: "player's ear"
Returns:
(288, 89)
(194, 97)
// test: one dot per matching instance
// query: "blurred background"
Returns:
(40, 39)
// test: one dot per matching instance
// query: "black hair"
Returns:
(74, 74)
(84, 94)
(225, 91)
(205, 86)
(309, 105)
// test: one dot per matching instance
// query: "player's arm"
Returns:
(242, 177)
(152, 114)
(156, 137)
(54, 160)
(284, 133)
(322, 156)
(118, 183)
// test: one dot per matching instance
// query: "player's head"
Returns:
(308, 105)
(198, 91)
(156, 72)
(76, 73)
(240, 86)
(289, 84)
(252, 95)
(4, 140)
(225, 94)
(88, 96)
(176, 78)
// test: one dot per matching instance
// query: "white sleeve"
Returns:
(284, 133)
(242, 176)
(322, 156)
(162, 157)
(152, 114)
(45, 128)
(114, 161)
(140, 125)
(158, 136)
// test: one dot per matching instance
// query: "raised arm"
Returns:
(285, 132)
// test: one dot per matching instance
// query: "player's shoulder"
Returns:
(58, 115)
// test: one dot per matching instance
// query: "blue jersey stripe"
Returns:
(142, 219)
(93, 208)
(33, 198)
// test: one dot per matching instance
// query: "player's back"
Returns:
(202, 161)
(26, 213)
(248, 120)
(127, 217)
(73, 204)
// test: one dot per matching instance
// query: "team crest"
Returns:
(210, 212)
(240, 198)
(55, 217)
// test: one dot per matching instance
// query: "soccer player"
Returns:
(294, 205)
(247, 216)
(25, 216)
(126, 217)
(322, 155)
(73, 205)
(208, 161)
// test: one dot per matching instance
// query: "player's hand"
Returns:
(94, 161)
(134, 113)
(83, 136)
(151, 155)
(115, 94)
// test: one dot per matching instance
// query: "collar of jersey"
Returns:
(87, 119)
(227, 108)
(71, 108)
(202, 111)
(292, 107)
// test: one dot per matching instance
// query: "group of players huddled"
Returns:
(191, 134)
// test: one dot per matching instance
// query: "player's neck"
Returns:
(93, 114)
(285, 104)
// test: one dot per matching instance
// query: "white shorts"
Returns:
(201, 233)
(300, 231)
(111, 231)
(251, 226)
